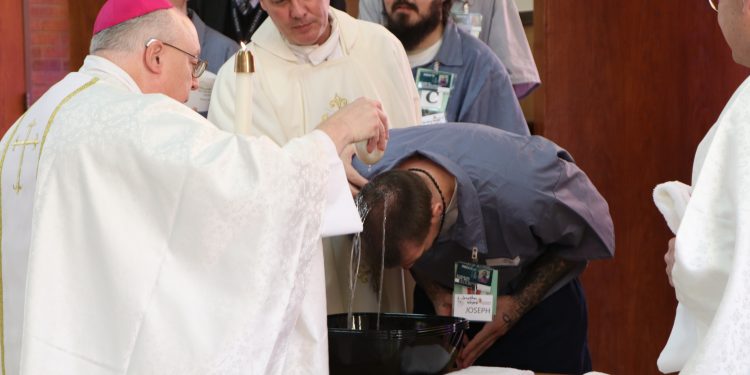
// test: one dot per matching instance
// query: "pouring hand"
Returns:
(356, 181)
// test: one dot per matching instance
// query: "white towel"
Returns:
(671, 198)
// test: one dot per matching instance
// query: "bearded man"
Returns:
(458, 77)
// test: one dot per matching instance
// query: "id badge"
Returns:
(474, 291)
(435, 118)
(434, 89)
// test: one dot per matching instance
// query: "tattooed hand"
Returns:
(508, 313)
(542, 275)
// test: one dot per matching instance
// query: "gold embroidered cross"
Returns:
(23, 143)
(338, 102)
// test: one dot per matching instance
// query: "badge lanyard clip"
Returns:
(474, 289)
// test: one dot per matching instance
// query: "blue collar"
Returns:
(451, 53)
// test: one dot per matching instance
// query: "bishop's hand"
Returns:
(361, 120)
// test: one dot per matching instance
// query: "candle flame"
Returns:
(243, 46)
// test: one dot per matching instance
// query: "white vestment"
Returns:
(21, 147)
(711, 273)
(291, 98)
(159, 244)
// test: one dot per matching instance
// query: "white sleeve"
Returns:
(340, 215)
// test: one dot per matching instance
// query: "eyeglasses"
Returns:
(199, 66)
(714, 4)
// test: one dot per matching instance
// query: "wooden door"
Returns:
(629, 88)
(12, 73)
(81, 21)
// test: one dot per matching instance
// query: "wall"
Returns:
(524, 5)
(630, 87)
(49, 42)
(81, 25)
(13, 87)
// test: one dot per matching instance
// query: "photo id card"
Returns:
(475, 291)
(434, 89)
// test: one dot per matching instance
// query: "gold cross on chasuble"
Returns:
(335, 104)
(23, 144)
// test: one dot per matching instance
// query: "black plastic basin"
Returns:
(404, 344)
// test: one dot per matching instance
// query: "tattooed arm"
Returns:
(540, 277)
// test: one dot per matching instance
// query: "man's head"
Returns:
(734, 20)
(400, 203)
(163, 66)
(301, 22)
(411, 21)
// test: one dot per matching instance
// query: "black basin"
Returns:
(404, 344)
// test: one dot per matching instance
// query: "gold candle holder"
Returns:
(244, 66)
(244, 62)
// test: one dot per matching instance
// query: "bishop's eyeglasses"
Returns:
(199, 66)
(714, 4)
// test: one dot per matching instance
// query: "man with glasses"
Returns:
(156, 239)
(708, 260)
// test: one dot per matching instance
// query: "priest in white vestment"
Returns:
(311, 60)
(156, 243)
(711, 264)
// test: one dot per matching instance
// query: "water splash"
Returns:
(356, 253)
(382, 265)
(353, 276)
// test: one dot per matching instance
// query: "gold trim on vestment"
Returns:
(2, 162)
(2, 295)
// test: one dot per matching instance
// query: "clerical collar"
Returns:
(425, 56)
(318, 54)
(442, 198)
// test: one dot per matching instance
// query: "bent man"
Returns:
(524, 207)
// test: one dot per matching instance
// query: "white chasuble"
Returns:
(161, 245)
(21, 148)
(291, 99)
(712, 253)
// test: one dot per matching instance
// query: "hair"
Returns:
(407, 199)
(411, 35)
(447, 5)
(132, 35)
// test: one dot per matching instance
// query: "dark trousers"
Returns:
(551, 337)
